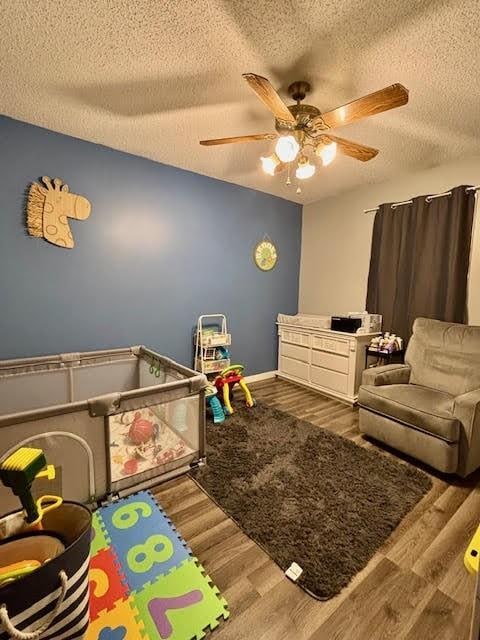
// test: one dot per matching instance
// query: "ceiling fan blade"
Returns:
(252, 138)
(350, 148)
(269, 97)
(389, 98)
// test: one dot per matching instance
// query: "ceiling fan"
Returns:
(301, 125)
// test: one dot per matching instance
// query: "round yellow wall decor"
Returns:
(265, 255)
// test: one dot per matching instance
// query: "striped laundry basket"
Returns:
(51, 603)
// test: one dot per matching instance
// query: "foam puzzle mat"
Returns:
(144, 580)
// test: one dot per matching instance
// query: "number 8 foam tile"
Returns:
(181, 605)
(145, 542)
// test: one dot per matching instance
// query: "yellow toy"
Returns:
(18, 472)
(472, 554)
(23, 554)
(225, 382)
(17, 570)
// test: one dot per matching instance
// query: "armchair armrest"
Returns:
(388, 374)
(467, 409)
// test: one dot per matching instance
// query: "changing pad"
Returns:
(306, 320)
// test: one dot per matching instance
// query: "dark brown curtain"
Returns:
(419, 261)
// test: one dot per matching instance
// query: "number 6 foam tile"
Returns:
(181, 605)
(144, 541)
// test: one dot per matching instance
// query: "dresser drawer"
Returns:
(295, 352)
(295, 337)
(333, 345)
(294, 368)
(331, 361)
(329, 379)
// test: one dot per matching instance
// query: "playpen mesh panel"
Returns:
(27, 391)
(157, 439)
(151, 373)
(90, 380)
(74, 443)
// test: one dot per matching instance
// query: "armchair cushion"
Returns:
(444, 356)
(417, 407)
(388, 374)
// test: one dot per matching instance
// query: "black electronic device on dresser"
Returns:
(345, 324)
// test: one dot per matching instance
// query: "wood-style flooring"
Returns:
(414, 588)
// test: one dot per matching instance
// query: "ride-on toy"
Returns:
(225, 382)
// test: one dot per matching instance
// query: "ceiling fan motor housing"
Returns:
(302, 113)
(298, 90)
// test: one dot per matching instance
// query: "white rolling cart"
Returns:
(210, 337)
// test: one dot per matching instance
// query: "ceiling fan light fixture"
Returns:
(304, 169)
(327, 152)
(287, 148)
(270, 163)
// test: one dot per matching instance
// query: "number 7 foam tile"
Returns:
(181, 605)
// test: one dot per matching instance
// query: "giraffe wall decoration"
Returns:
(48, 207)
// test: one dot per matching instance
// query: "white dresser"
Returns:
(326, 360)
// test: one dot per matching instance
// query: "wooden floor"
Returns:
(415, 587)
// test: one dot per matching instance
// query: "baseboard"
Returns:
(257, 377)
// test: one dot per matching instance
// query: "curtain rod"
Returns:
(427, 199)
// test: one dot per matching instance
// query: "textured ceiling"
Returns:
(152, 78)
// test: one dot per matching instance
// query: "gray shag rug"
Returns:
(307, 495)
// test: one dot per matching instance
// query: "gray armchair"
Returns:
(429, 408)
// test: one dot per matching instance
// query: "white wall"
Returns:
(336, 238)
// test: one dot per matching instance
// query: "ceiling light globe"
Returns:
(305, 170)
(287, 148)
(270, 163)
(327, 153)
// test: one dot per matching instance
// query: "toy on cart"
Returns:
(211, 344)
(225, 383)
(214, 404)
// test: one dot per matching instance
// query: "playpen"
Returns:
(110, 421)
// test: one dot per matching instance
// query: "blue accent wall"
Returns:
(162, 246)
